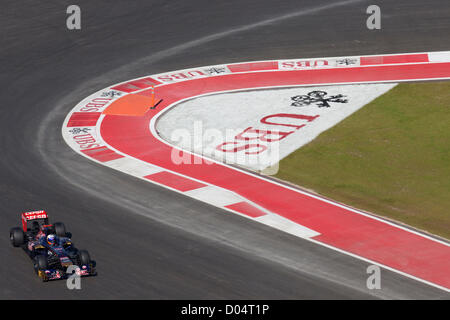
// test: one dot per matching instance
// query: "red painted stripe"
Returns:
(339, 227)
(83, 119)
(254, 66)
(102, 154)
(135, 85)
(175, 181)
(247, 209)
(404, 58)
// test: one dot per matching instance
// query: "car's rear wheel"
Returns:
(60, 229)
(17, 237)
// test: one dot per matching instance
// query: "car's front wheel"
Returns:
(84, 258)
(41, 262)
(40, 265)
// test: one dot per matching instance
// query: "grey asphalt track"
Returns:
(151, 243)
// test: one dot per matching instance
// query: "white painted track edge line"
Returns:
(378, 264)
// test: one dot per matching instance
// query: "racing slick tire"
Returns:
(60, 229)
(17, 237)
(41, 262)
(83, 257)
(40, 265)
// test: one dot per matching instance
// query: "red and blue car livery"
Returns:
(52, 261)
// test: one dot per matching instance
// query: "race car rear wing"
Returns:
(40, 216)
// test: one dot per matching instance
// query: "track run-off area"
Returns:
(116, 127)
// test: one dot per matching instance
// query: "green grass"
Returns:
(391, 157)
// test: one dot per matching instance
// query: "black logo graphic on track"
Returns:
(215, 70)
(346, 62)
(319, 98)
(111, 94)
(79, 130)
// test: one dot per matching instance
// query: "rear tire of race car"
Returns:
(84, 257)
(60, 229)
(17, 237)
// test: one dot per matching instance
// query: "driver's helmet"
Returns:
(51, 239)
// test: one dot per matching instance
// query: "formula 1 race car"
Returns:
(50, 247)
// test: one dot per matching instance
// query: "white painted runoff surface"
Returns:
(202, 124)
